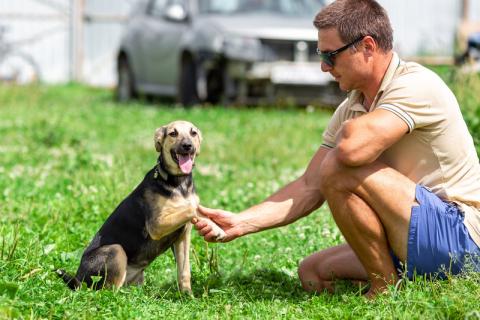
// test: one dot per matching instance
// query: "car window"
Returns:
(157, 7)
(285, 7)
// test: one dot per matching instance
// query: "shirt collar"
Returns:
(388, 77)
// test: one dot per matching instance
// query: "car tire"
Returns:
(188, 95)
(125, 90)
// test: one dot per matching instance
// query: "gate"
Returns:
(66, 39)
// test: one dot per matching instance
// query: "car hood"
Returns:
(264, 26)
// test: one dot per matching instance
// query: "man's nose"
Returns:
(325, 67)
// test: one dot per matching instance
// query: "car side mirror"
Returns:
(176, 12)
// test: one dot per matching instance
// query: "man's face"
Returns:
(347, 67)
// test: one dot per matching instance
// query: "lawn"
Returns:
(69, 155)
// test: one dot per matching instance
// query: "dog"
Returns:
(154, 217)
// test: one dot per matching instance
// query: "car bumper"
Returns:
(296, 82)
(289, 73)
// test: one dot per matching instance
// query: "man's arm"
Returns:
(297, 199)
(362, 140)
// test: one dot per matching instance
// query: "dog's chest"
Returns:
(177, 207)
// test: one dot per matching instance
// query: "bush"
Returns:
(466, 87)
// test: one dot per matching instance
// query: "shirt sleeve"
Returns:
(413, 98)
(330, 133)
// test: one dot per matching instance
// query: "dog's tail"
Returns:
(71, 281)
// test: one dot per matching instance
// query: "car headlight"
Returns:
(241, 48)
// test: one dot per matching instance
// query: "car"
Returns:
(224, 52)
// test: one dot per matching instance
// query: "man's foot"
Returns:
(373, 292)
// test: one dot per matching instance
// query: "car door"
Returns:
(162, 46)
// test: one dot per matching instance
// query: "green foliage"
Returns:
(466, 87)
(69, 155)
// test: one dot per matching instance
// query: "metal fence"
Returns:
(67, 39)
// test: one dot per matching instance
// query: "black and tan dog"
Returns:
(153, 218)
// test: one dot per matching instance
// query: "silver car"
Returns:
(224, 51)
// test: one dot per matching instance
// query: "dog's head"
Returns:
(178, 143)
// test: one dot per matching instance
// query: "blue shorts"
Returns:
(438, 241)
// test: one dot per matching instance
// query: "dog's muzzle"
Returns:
(184, 155)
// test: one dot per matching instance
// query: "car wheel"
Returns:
(126, 86)
(188, 95)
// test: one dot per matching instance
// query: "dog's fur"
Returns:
(153, 218)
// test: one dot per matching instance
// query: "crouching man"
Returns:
(397, 166)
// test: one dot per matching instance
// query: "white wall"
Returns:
(425, 27)
(42, 32)
(102, 38)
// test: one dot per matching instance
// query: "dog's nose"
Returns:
(187, 146)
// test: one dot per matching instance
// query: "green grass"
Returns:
(69, 155)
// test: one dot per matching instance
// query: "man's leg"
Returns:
(319, 271)
(371, 205)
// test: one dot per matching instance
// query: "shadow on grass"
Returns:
(257, 285)
(265, 284)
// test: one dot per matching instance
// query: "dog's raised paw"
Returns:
(220, 234)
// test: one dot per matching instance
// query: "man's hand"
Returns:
(228, 221)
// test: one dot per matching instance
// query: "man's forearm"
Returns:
(290, 203)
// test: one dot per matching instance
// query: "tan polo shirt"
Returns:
(438, 152)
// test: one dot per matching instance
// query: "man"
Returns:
(473, 50)
(397, 166)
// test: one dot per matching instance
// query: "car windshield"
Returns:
(284, 7)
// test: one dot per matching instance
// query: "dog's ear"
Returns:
(200, 138)
(159, 137)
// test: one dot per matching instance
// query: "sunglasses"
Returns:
(328, 57)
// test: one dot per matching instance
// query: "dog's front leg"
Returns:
(171, 218)
(181, 249)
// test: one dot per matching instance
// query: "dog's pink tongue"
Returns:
(185, 163)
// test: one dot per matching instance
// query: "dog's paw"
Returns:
(220, 236)
(219, 233)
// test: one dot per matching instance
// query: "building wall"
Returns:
(424, 27)
(101, 37)
(421, 28)
(40, 31)
(475, 10)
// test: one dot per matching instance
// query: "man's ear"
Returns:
(370, 45)
(159, 137)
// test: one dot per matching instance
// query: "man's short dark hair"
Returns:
(356, 18)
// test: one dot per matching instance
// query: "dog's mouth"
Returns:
(185, 161)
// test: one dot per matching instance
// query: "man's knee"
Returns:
(330, 172)
(336, 176)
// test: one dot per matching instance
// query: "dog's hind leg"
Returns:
(181, 249)
(135, 276)
(107, 262)
(71, 281)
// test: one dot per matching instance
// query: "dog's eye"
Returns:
(193, 133)
(173, 133)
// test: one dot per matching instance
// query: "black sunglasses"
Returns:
(328, 57)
